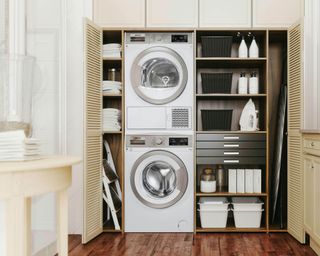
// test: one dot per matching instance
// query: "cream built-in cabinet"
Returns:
(311, 159)
(275, 13)
(312, 65)
(225, 13)
(172, 13)
(119, 13)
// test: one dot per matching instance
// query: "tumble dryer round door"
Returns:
(159, 75)
(159, 179)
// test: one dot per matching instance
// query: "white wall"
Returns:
(76, 11)
(43, 41)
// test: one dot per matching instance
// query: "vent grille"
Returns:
(180, 118)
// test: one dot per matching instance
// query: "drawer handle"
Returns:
(230, 137)
(231, 145)
(312, 144)
(231, 153)
(235, 161)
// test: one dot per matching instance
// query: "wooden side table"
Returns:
(19, 181)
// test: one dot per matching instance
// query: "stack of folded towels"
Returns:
(14, 146)
(112, 50)
(111, 86)
(111, 119)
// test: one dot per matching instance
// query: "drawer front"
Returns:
(230, 137)
(311, 146)
(231, 160)
(231, 153)
(230, 145)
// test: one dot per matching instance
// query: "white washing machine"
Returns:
(159, 81)
(159, 183)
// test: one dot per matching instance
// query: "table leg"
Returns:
(62, 232)
(18, 211)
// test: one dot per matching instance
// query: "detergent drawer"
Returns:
(231, 145)
(208, 152)
(231, 160)
(230, 137)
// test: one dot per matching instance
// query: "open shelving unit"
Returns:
(114, 138)
(266, 40)
(235, 101)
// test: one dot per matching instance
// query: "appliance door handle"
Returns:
(233, 161)
(231, 153)
(230, 145)
(230, 137)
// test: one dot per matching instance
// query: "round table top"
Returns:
(46, 162)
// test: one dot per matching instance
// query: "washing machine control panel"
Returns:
(158, 141)
(158, 38)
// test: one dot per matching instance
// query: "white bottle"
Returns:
(243, 84)
(253, 50)
(243, 49)
(253, 84)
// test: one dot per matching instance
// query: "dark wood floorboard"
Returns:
(185, 244)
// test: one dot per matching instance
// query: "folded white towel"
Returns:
(111, 46)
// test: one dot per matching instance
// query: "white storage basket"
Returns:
(213, 218)
(247, 219)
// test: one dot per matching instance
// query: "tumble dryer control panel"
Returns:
(158, 37)
(158, 141)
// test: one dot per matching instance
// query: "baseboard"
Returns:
(50, 249)
(315, 246)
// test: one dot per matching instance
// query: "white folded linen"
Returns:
(111, 46)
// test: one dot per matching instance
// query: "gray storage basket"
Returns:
(216, 82)
(219, 119)
(216, 46)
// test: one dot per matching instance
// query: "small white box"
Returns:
(213, 219)
(240, 180)
(247, 219)
(249, 180)
(232, 181)
(257, 181)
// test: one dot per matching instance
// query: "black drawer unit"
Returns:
(219, 148)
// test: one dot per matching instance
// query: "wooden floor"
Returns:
(173, 244)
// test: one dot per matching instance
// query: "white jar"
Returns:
(208, 186)
(253, 84)
(243, 84)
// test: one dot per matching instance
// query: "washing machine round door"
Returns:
(159, 75)
(159, 179)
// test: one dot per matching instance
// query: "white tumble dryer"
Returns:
(159, 183)
(159, 81)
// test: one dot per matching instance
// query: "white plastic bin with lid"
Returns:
(213, 212)
(246, 203)
(247, 212)
(213, 203)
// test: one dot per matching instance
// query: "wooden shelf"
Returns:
(111, 58)
(229, 96)
(110, 230)
(230, 59)
(230, 229)
(113, 95)
(230, 194)
(212, 62)
(112, 132)
(239, 132)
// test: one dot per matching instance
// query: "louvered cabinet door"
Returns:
(92, 215)
(295, 166)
